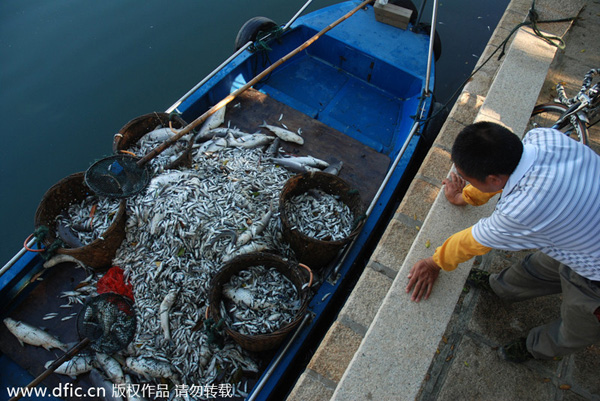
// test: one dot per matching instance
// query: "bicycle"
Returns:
(573, 116)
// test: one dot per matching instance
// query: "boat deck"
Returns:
(43, 299)
(363, 168)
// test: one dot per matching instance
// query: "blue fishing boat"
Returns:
(357, 80)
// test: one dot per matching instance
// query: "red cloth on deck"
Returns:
(114, 281)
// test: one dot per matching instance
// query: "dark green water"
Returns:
(73, 72)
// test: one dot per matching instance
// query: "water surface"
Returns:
(72, 73)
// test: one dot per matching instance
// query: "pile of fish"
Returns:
(319, 215)
(179, 233)
(84, 222)
(260, 300)
(182, 230)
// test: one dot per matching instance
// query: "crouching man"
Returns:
(550, 201)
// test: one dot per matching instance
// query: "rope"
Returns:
(51, 250)
(533, 20)
(261, 46)
(533, 17)
(39, 234)
(357, 221)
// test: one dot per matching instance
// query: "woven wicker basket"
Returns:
(260, 342)
(311, 251)
(99, 253)
(135, 129)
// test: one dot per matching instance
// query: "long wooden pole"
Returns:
(156, 151)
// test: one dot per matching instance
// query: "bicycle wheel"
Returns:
(546, 115)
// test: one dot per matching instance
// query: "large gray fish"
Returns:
(212, 122)
(111, 367)
(160, 134)
(284, 134)
(256, 228)
(77, 365)
(219, 133)
(151, 367)
(292, 165)
(310, 161)
(251, 141)
(31, 335)
(165, 307)
(334, 168)
(273, 148)
(111, 392)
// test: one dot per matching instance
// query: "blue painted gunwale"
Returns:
(363, 78)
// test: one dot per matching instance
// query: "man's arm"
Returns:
(459, 248)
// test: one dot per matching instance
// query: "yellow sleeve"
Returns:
(459, 248)
(475, 197)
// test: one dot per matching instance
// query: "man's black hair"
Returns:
(486, 148)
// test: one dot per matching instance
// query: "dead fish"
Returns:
(219, 132)
(334, 168)
(163, 311)
(310, 161)
(133, 395)
(252, 141)
(77, 365)
(256, 228)
(283, 133)
(62, 259)
(273, 147)
(160, 181)
(67, 235)
(31, 335)
(292, 165)
(111, 367)
(151, 367)
(111, 393)
(50, 316)
(216, 145)
(160, 134)
(239, 295)
(213, 121)
(251, 247)
(225, 234)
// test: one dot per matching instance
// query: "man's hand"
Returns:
(421, 278)
(453, 188)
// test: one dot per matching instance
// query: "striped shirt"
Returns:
(551, 202)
